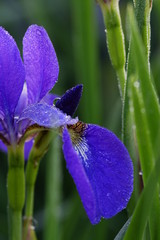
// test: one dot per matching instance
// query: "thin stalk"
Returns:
(31, 175)
(52, 229)
(39, 149)
(29, 200)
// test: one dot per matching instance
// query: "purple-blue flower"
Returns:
(96, 159)
(24, 87)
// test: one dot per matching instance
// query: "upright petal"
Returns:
(40, 62)
(46, 116)
(49, 99)
(107, 167)
(23, 101)
(68, 103)
(12, 74)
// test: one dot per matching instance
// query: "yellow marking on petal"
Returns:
(77, 131)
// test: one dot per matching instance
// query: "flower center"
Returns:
(77, 131)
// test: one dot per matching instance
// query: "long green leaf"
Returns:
(146, 116)
(141, 129)
(86, 58)
(123, 230)
(139, 220)
(145, 151)
(148, 92)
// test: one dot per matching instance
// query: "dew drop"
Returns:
(16, 117)
(136, 84)
(140, 173)
(134, 127)
(143, 110)
(105, 30)
(38, 32)
(131, 109)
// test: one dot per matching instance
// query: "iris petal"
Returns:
(3, 147)
(46, 116)
(40, 62)
(27, 148)
(70, 100)
(23, 100)
(81, 180)
(107, 166)
(49, 98)
(12, 74)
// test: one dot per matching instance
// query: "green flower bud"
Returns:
(115, 37)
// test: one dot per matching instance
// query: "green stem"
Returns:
(31, 175)
(16, 191)
(39, 149)
(27, 227)
(16, 222)
(29, 200)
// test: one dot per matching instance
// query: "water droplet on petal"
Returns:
(16, 117)
(38, 32)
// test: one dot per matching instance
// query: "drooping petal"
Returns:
(46, 116)
(81, 180)
(107, 166)
(40, 62)
(70, 100)
(12, 74)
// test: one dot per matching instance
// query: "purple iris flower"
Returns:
(96, 159)
(24, 87)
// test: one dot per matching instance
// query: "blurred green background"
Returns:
(77, 31)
